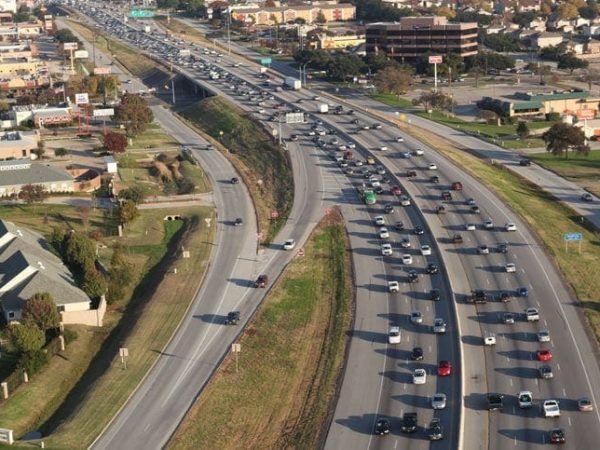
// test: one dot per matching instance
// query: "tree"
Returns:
(562, 138)
(343, 66)
(523, 129)
(94, 283)
(445, 11)
(40, 150)
(373, 62)
(80, 252)
(434, 100)
(571, 62)
(270, 4)
(490, 60)
(41, 310)
(134, 193)
(589, 12)
(115, 142)
(488, 115)
(84, 213)
(590, 76)
(476, 72)
(392, 80)
(65, 35)
(61, 151)
(121, 274)
(320, 19)
(134, 113)
(523, 18)
(128, 212)
(26, 336)
(501, 42)
(33, 193)
(567, 11)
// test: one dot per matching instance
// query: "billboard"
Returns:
(104, 112)
(70, 45)
(585, 114)
(82, 99)
(102, 71)
(81, 54)
(435, 59)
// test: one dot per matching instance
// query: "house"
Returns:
(495, 29)
(27, 267)
(591, 47)
(590, 30)
(16, 173)
(529, 5)
(537, 24)
(18, 144)
(546, 39)
(555, 23)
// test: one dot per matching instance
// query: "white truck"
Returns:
(323, 108)
(184, 52)
(263, 70)
(292, 83)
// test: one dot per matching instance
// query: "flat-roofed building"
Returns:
(333, 12)
(18, 144)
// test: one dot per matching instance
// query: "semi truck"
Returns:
(292, 83)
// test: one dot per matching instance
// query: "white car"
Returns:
(489, 338)
(439, 326)
(510, 268)
(407, 259)
(425, 250)
(405, 243)
(532, 314)
(525, 399)
(379, 221)
(431, 166)
(386, 250)
(543, 335)
(550, 408)
(404, 200)
(488, 224)
(483, 250)
(383, 148)
(416, 317)
(470, 227)
(419, 152)
(384, 233)
(399, 139)
(438, 401)
(393, 286)
(351, 145)
(289, 244)
(509, 226)
(419, 376)
(375, 183)
(394, 335)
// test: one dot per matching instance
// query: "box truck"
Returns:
(323, 108)
(292, 83)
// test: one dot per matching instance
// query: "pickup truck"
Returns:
(478, 296)
(457, 186)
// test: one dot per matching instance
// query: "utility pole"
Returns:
(228, 31)
(279, 131)
(173, 89)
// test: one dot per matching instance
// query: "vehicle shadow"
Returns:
(472, 340)
(242, 282)
(476, 402)
(416, 401)
(523, 337)
(364, 424)
(518, 372)
(525, 435)
(394, 353)
(369, 336)
(211, 318)
(397, 377)
(521, 355)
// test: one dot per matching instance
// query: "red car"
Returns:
(396, 190)
(543, 355)
(444, 368)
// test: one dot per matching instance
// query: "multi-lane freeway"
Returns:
(378, 380)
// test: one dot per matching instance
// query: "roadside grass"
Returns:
(392, 100)
(582, 170)
(292, 354)
(154, 137)
(264, 167)
(547, 217)
(181, 29)
(505, 135)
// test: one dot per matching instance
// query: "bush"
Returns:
(552, 117)
(70, 335)
(33, 362)
(61, 151)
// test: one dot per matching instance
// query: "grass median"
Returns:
(546, 216)
(290, 362)
(264, 167)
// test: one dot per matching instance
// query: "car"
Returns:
(557, 436)
(446, 196)
(509, 226)
(435, 179)
(470, 201)
(523, 292)
(406, 155)
(489, 338)
(418, 152)
(386, 249)
(376, 126)
(475, 209)
(435, 431)
(525, 399)
(416, 317)
(543, 355)
(425, 250)
(232, 318)
(587, 197)
(483, 250)
(382, 427)
(431, 166)
(234, 180)
(238, 221)
(399, 226)
(383, 148)
(358, 163)
(378, 190)
(379, 221)
(399, 139)
(434, 295)
(457, 239)
(505, 297)
(416, 354)
(532, 314)
(550, 408)
(524, 162)
(384, 233)
(261, 281)
(444, 368)
(495, 402)
(470, 227)
(488, 224)
(419, 376)
(510, 268)
(396, 190)
(508, 318)
(543, 335)
(404, 200)
(404, 243)
(432, 269)
(413, 276)
(502, 248)
(393, 286)
(407, 259)
(441, 209)
(388, 208)
(545, 373)
(394, 335)
(289, 244)
(411, 173)
(370, 160)
(419, 231)
(584, 404)
(409, 422)
(438, 401)
(439, 325)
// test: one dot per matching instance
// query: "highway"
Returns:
(377, 379)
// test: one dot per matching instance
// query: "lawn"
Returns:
(548, 218)
(582, 170)
(292, 355)
(254, 154)
(155, 138)
(392, 100)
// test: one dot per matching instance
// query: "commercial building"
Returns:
(325, 42)
(23, 50)
(40, 115)
(333, 12)
(412, 37)
(20, 66)
(8, 6)
(16, 173)
(18, 144)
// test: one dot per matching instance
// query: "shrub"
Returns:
(552, 117)
(70, 335)
(34, 361)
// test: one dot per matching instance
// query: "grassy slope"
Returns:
(291, 355)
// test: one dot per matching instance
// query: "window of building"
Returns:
(11, 314)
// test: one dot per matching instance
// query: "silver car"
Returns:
(439, 326)
(438, 401)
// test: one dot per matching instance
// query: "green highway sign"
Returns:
(141, 14)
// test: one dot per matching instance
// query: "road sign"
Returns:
(82, 99)
(266, 61)
(573, 237)
(70, 45)
(102, 71)
(141, 14)
(236, 348)
(294, 117)
(104, 112)
(436, 59)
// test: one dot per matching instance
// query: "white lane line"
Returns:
(510, 381)
(564, 392)
(558, 366)
(569, 420)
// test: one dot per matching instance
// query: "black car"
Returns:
(294, 137)
(235, 180)
(495, 402)
(475, 209)
(238, 222)
(413, 276)
(524, 162)
(432, 269)
(557, 436)
(435, 179)
(399, 226)
(232, 318)
(419, 230)
(502, 248)
(434, 295)
(382, 427)
(416, 354)
(478, 296)
(388, 208)
(411, 173)
(409, 422)
(435, 431)
(378, 190)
